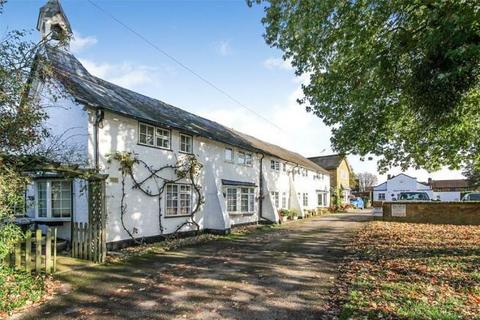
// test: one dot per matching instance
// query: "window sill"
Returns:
(154, 147)
(184, 152)
(179, 216)
(67, 219)
(241, 213)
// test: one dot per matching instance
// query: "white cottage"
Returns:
(391, 189)
(242, 179)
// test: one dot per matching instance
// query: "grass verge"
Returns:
(411, 271)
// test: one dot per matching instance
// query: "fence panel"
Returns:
(22, 258)
(88, 242)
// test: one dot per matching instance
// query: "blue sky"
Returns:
(221, 40)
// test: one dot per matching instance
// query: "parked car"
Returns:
(358, 203)
(414, 196)
(474, 196)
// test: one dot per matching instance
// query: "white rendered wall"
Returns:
(398, 184)
(447, 195)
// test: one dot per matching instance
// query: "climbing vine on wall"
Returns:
(186, 168)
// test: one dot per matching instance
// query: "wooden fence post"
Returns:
(81, 239)
(18, 255)
(28, 251)
(48, 251)
(38, 250)
(87, 241)
(55, 250)
(74, 239)
(95, 242)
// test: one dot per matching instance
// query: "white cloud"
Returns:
(277, 63)
(223, 48)
(299, 131)
(79, 42)
(127, 75)
(304, 133)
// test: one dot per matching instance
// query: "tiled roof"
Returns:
(97, 93)
(460, 184)
(282, 153)
(329, 162)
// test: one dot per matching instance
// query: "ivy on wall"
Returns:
(187, 168)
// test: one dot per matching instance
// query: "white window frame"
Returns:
(275, 199)
(275, 165)
(284, 200)
(381, 196)
(305, 199)
(241, 158)
(155, 136)
(176, 190)
(232, 158)
(284, 167)
(185, 144)
(322, 198)
(238, 196)
(49, 200)
(248, 159)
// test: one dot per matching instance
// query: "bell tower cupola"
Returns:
(53, 23)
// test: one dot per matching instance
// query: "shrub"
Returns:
(17, 288)
(293, 213)
(284, 212)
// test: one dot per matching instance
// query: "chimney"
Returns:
(389, 176)
(430, 181)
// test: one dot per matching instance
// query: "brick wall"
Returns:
(432, 212)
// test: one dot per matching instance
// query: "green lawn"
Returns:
(412, 271)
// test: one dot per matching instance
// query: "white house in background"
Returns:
(391, 189)
(450, 190)
(243, 179)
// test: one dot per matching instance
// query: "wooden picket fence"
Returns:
(88, 242)
(33, 258)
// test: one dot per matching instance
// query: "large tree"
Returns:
(397, 79)
(366, 180)
(22, 130)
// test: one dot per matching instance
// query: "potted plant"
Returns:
(284, 213)
(293, 214)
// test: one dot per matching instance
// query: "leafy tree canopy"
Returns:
(397, 79)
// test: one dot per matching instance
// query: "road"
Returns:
(284, 273)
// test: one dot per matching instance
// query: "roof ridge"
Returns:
(101, 93)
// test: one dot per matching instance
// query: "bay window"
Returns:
(53, 199)
(240, 199)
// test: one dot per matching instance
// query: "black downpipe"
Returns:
(98, 119)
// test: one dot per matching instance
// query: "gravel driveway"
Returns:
(284, 273)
